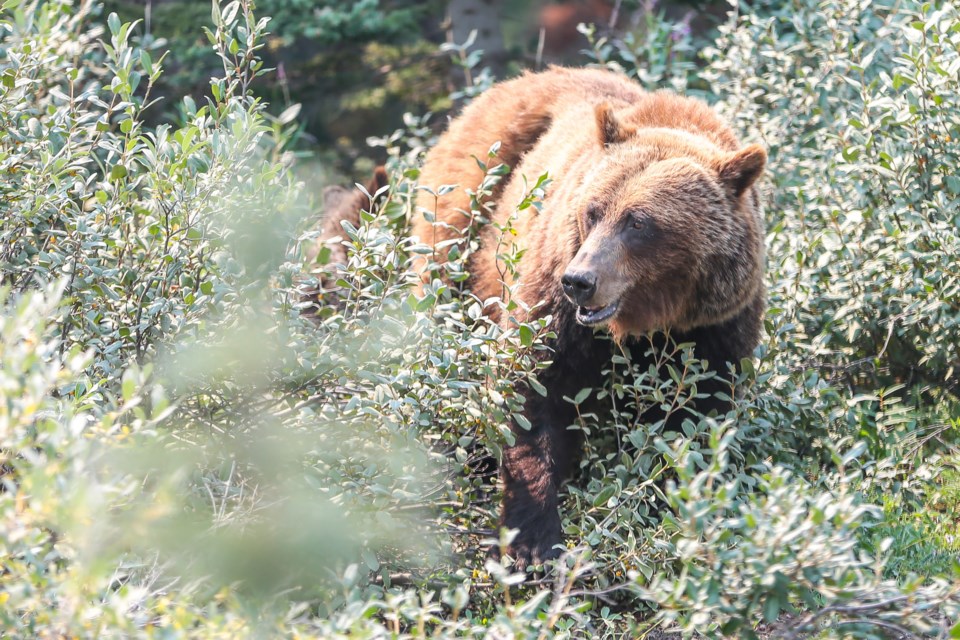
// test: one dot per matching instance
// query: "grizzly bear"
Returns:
(651, 223)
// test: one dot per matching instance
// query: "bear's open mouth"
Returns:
(590, 316)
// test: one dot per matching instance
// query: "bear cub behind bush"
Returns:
(652, 222)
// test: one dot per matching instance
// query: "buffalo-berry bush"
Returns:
(184, 452)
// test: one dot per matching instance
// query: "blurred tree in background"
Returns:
(356, 67)
(351, 65)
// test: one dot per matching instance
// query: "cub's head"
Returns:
(670, 228)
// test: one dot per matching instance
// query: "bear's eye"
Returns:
(638, 223)
(592, 215)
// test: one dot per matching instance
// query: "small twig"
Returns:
(226, 490)
(883, 625)
(540, 43)
(807, 622)
(614, 15)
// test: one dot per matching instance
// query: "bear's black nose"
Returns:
(579, 286)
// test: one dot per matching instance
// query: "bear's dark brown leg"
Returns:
(534, 469)
(542, 459)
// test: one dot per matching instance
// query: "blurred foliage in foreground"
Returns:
(184, 455)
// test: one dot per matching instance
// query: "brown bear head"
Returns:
(669, 226)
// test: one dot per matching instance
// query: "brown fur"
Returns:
(652, 195)
(652, 200)
(559, 23)
(339, 204)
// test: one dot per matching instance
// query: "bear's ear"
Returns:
(611, 129)
(741, 169)
(379, 179)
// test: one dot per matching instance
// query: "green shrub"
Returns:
(184, 455)
(863, 262)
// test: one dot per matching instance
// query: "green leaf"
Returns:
(370, 559)
(539, 388)
(850, 154)
(211, 36)
(426, 302)
(113, 21)
(146, 61)
(526, 335)
(522, 421)
(771, 609)
(289, 114)
(605, 494)
(953, 184)
(854, 452)
(230, 12)
(323, 256)
(118, 172)
(128, 386)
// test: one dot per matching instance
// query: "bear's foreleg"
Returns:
(534, 469)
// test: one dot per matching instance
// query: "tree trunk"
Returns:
(483, 16)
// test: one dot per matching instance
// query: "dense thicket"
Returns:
(184, 455)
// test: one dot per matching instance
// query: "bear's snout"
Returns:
(579, 286)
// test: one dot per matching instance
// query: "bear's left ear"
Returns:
(741, 169)
(611, 129)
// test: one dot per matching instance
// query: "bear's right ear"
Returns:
(611, 129)
(379, 179)
(742, 168)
